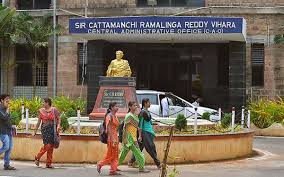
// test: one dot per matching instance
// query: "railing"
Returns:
(194, 117)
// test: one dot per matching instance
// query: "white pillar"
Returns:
(243, 117)
(220, 114)
(78, 121)
(248, 120)
(23, 111)
(27, 120)
(195, 121)
(185, 112)
(233, 119)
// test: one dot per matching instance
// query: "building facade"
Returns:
(224, 73)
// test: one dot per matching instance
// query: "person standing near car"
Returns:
(6, 131)
(165, 103)
(148, 134)
(197, 102)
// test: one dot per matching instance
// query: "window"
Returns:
(33, 4)
(41, 74)
(172, 3)
(257, 64)
(82, 63)
(195, 3)
(24, 74)
(153, 98)
(24, 69)
(175, 101)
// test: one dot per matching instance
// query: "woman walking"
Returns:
(47, 116)
(130, 137)
(148, 134)
(111, 123)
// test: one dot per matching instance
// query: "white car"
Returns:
(177, 105)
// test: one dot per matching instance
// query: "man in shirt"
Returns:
(6, 135)
(197, 102)
(165, 102)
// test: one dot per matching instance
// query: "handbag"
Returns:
(141, 142)
(56, 135)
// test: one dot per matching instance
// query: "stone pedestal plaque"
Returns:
(114, 89)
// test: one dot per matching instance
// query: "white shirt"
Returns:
(165, 107)
(195, 104)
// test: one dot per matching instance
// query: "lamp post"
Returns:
(54, 50)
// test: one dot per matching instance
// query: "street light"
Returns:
(54, 50)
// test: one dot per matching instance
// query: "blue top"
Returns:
(145, 122)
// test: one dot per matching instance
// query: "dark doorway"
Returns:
(162, 67)
(187, 70)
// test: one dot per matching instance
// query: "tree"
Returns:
(35, 32)
(6, 28)
(180, 122)
(279, 38)
(6, 15)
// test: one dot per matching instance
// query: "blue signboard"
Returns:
(156, 25)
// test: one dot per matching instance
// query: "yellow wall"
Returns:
(184, 148)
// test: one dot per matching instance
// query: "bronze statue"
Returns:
(118, 67)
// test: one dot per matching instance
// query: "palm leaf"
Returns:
(6, 15)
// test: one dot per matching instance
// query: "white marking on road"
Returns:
(264, 155)
(57, 166)
(269, 137)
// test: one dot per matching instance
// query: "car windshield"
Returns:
(153, 98)
(175, 101)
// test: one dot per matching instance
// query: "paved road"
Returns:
(270, 164)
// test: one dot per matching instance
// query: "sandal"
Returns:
(36, 161)
(114, 173)
(143, 170)
(99, 167)
(49, 166)
(132, 165)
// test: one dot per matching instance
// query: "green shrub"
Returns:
(64, 122)
(65, 104)
(80, 103)
(206, 116)
(15, 105)
(33, 105)
(62, 103)
(266, 112)
(71, 112)
(226, 120)
(174, 172)
(180, 122)
(15, 117)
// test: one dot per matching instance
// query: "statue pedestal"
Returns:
(114, 89)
